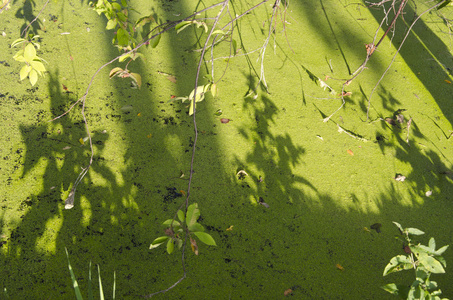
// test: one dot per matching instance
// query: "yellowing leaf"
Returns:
(81, 141)
(194, 246)
(111, 24)
(172, 78)
(24, 72)
(33, 76)
(214, 90)
(38, 66)
(115, 71)
(155, 41)
(124, 57)
(137, 78)
(29, 52)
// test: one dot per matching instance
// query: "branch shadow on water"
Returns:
(273, 156)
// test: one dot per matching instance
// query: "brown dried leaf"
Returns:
(377, 227)
(172, 78)
(288, 292)
(193, 244)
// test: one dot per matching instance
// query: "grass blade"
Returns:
(74, 281)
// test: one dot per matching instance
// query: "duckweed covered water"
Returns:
(326, 183)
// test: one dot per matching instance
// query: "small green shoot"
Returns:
(425, 260)
(175, 231)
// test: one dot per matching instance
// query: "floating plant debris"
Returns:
(224, 121)
(377, 227)
(400, 177)
(261, 201)
(241, 174)
(288, 292)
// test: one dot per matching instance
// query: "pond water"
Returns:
(324, 183)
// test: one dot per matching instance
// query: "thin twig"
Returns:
(5, 6)
(397, 52)
(262, 78)
(225, 3)
(167, 26)
(26, 28)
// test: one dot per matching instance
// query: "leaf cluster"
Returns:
(27, 55)
(198, 94)
(425, 260)
(117, 15)
(187, 225)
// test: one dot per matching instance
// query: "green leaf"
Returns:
(196, 227)
(155, 41)
(193, 213)
(115, 71)
(414, 231)
(29, 52)
(111, 24)
(122, 17)
(17, 42)
(33, 76)
(441, 260)
(181, 216)
(398, 263)
(218, 31)
(24, 72)
(169, 222)
(38, 66)
(170, 246)
(391, 288)
(214, 90)
(116, 6)
(19, 56)
(159, 241)
(183, 25)
(421, 274)
(191, 107)
(416, 292)
(431, 264)
(420, 250)
(432, 244)
(441, 250)
(205, 238)
(234, 43)
(124, 57)
(144, 20)
(137, 78)
(199, 93)
(122, 36)
(399, 226)
(124, 3)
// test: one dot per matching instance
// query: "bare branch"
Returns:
(28, 26)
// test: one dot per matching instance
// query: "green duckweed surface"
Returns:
(324, 182)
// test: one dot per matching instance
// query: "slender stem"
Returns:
(28, 26)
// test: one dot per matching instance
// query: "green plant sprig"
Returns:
(187, 225)
(33, 63)
(425, 260)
